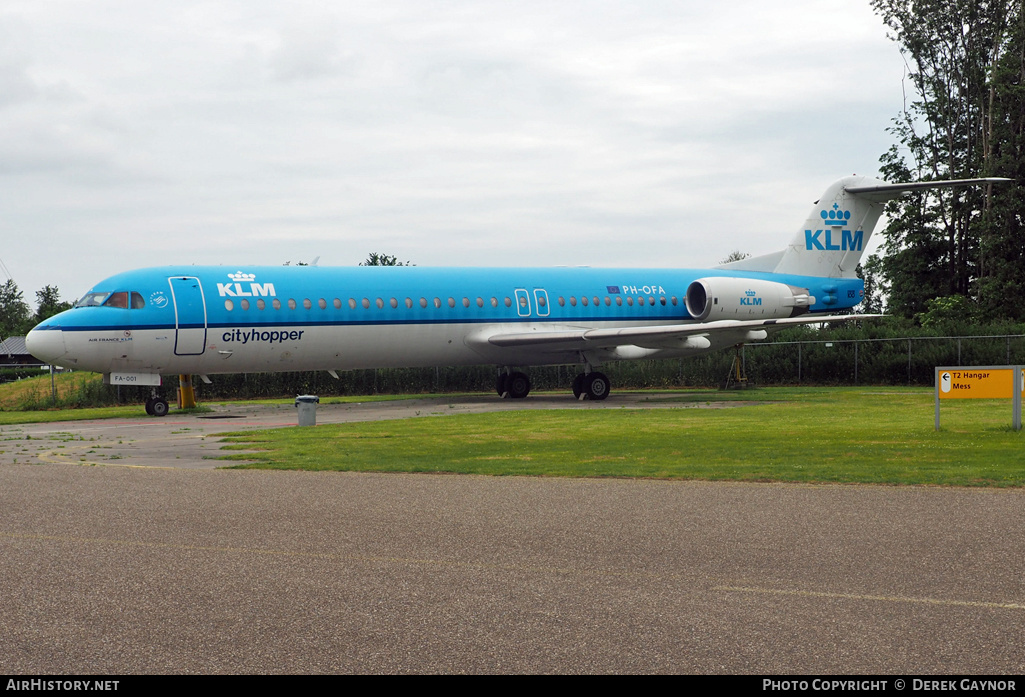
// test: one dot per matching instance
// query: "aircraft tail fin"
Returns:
(834, 236)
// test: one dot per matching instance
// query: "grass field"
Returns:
(28, 401)
(875, 435)
(37, 389)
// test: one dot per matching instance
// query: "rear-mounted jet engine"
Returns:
(743, 298)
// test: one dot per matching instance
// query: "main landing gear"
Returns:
(156, 405)
(516, 385)
(593, 385)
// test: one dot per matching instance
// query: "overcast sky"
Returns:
(618, 133)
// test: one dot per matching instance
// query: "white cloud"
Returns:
(602, 133)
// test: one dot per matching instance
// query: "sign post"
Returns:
(982, 382)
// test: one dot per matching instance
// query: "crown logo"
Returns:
(836, 216)
(240, 277)
(750, 293)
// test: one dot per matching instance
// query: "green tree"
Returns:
(912, 266)
(872, 302)
(735, 255)
(1002, 280)
(948, 313)
(48, 303)
(14, 313)
(376, 259)
(952, 48)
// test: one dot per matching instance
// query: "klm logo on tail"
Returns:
(823, 239)
(826, 239)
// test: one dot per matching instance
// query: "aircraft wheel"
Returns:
(597, 386)
(578, 385)
(160, 407)
(502, 384)
(519, 385)
(149, 407)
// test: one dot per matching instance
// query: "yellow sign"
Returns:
(982, 382)
(976, 383)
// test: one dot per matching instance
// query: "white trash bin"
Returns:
(307, 406)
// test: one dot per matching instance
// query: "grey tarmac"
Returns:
(117, 569)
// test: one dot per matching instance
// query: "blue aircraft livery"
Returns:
(137, 326)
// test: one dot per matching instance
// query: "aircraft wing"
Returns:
(662, 336)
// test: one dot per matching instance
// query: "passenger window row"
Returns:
(641, 300)
(379, 303)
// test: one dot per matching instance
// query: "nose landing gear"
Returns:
(157, 405)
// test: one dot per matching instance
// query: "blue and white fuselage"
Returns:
(201, 320)
(138, 325)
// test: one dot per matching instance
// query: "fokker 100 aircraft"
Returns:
(196, 320)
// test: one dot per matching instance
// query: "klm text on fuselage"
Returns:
(235, 290)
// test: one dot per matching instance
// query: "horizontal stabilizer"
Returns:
(885, 192)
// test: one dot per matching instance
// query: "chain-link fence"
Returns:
(876, 361)
(907, 360)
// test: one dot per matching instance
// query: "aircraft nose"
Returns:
(46, 344)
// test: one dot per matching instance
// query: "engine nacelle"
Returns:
(744, 298)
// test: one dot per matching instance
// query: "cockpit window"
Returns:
(122, 298)
(92, 299)
(118, 299)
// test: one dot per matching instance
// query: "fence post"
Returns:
(855, 362)
(909, 361)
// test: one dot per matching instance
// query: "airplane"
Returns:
(136, 326)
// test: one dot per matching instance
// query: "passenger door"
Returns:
(189, 316)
